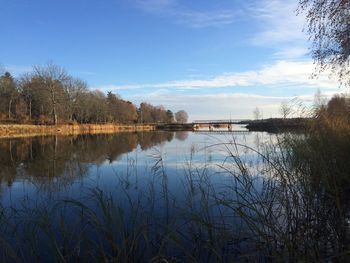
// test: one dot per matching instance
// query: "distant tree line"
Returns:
(49, 95)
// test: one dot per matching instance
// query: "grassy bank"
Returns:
(274, 125)
(19, 130)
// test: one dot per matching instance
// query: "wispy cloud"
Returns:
(184, 15)
(278, 27)
(221, 105)
(291, 52)
(234, 105)
(282, 74)
(279, 22)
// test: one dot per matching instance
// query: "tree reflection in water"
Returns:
(52, 162)
(290, 204)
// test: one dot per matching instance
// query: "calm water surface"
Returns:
(193, 196)
(51, 167)
(65, 193)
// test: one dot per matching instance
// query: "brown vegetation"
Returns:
(334, 115)
(291, 204)
(279, 124)
(49, 95)
(19, 130)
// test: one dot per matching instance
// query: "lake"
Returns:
(157, 196)
(41, 168)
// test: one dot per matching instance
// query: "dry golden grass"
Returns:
(22, 130)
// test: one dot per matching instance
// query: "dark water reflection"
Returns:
(175, 183)
(58, 161)
(51, 167)
(196, 197)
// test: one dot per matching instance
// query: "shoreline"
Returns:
(275, 125)
(23, 130)
(272, 125)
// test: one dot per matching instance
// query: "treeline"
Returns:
(49, 95)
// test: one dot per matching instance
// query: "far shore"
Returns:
(275, 125)
(30, 130)
(24, 130)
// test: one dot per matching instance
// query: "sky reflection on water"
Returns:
(45, 168)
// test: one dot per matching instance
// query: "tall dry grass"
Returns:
(290, 204)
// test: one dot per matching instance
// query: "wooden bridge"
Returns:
(218, 124)
(198, 125)
(232, 132)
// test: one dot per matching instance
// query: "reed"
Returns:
(22, 130)
(290, 205)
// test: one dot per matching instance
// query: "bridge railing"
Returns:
(219, 121)
(223, 132)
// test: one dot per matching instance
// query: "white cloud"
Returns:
(278, 22)
(279, 27)
(205, 19)
(180, 14)
(280, 74)
(222, 105)
(231, 105)
(291, 52)
(209, 104)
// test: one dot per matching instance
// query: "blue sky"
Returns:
(214, 59)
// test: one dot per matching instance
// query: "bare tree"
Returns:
(26, 90)
(285, 109)
(319, 100)
(53, 79)
(119, 110)
(49, 95)
(170, 116)
(148, 113)
(145, 113)
(181, 116)
(257, 114)
(74, 88)
(328, 24)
